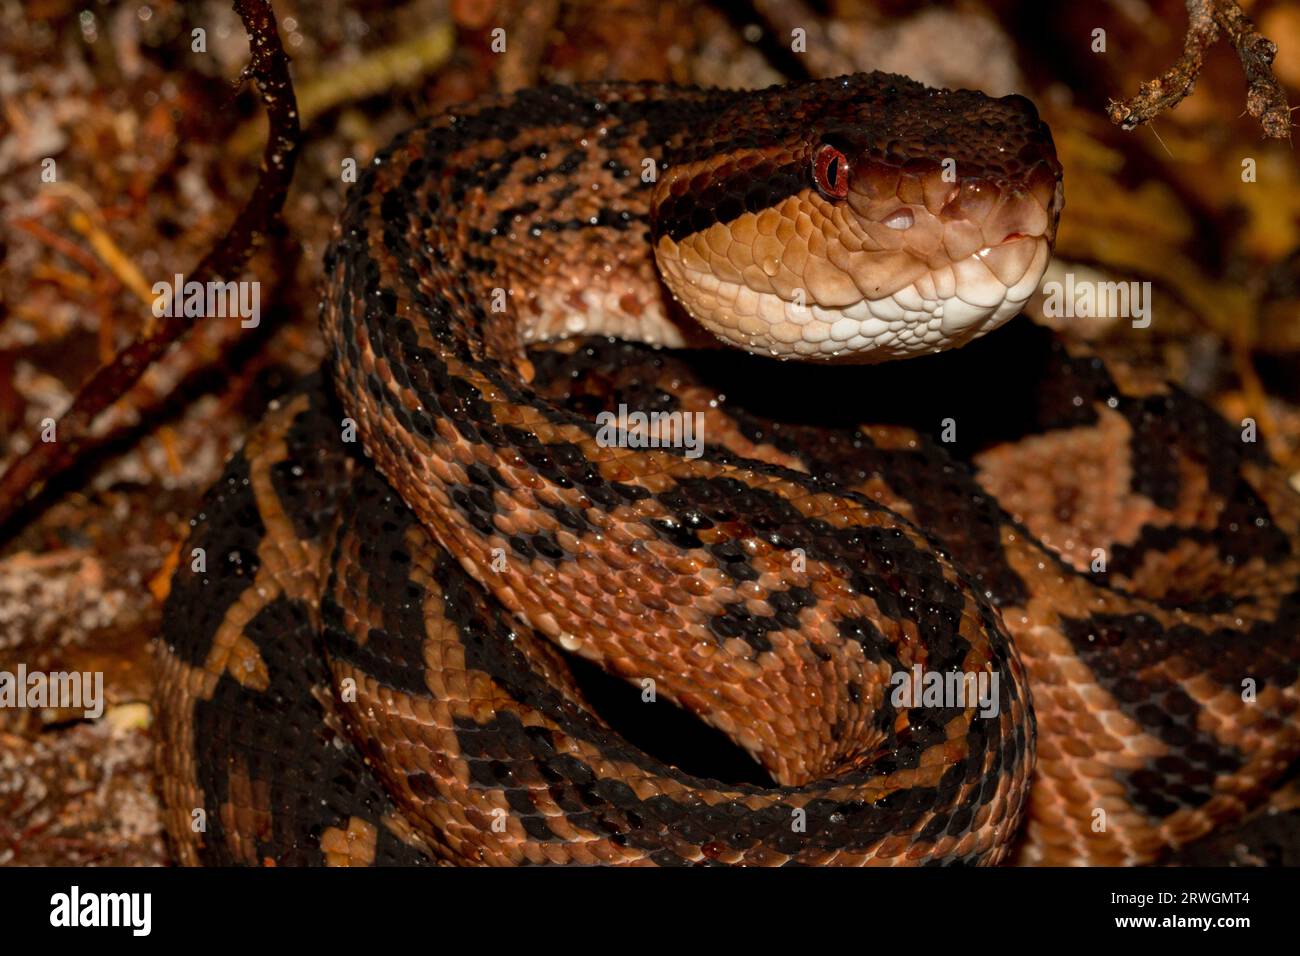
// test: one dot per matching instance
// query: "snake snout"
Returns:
(1003, 212)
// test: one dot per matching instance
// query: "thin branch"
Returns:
(376, 72)
(269, 68)
(528, 38)
(824, 57)
(1265, 98)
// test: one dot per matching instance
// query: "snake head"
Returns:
(859, 219)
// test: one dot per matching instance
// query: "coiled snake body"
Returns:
(382, 663)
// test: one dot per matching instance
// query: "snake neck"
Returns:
(528, 218)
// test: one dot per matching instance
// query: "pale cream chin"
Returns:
(943, 309)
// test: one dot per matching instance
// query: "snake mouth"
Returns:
(918, 291)
(941, 308)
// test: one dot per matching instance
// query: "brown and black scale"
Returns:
(464, 715)
(938, 485)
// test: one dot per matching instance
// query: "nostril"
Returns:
(902, 219)
(1012, 237)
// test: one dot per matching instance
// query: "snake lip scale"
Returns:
(382, 660)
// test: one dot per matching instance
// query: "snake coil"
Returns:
(380, 662)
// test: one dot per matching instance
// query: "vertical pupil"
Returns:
(833, 171)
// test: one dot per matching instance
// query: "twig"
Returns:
(111, 254)
(269, 68)
(59, 244)
(395, 66)
(528, 37)
(1265, 98)
(823, 55)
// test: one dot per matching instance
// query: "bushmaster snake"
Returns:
(380, 661)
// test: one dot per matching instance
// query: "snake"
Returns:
(1003, 601)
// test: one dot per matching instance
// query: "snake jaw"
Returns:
(843, 296)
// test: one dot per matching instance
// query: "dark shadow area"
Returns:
(665, 731)
(992, 388)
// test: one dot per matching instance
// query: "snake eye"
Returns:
(831, 173)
